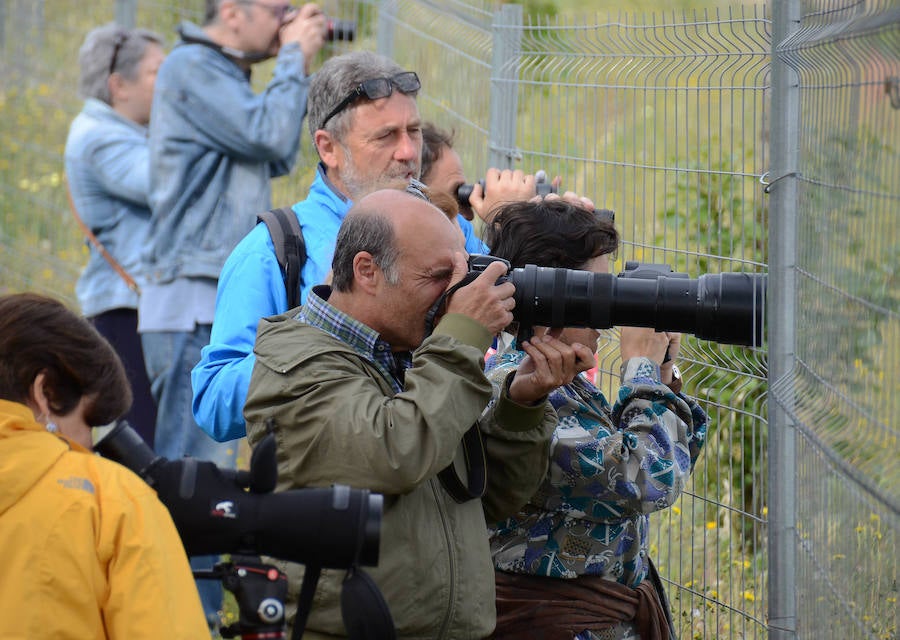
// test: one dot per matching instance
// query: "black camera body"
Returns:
(463, 191)
(728, 308)
(340, 30)
(541, 187)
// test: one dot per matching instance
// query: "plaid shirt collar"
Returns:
(317, 312)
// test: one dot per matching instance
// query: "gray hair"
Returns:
(335, 80)
(365, 230)
(96, 56)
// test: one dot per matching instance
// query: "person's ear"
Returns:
(39, 402)
(329, 150)
(115, 84)
(366, 274)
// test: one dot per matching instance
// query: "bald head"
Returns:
(385, 224)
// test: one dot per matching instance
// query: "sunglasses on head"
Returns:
(120, 40)
(375, 88)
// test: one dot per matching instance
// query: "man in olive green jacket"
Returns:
(361, 396)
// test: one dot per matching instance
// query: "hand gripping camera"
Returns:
(727, 307)
(219, 511)
(541, 188)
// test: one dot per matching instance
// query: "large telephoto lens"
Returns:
(726, 308)
(335, 527)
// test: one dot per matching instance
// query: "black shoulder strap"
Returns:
(289, 248)
(476, 469)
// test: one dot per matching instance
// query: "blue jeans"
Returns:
(170, 356)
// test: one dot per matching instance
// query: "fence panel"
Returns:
(840, 394)
(661, 118)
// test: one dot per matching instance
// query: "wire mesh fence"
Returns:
(752, 138)
(836, 395)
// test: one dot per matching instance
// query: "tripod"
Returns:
(260, 590)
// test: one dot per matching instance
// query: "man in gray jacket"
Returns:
(215, 144)
(362, 394)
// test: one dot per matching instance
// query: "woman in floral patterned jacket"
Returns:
(573, 562)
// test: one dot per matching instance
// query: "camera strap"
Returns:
(473, 446)
(86, 230)
(441, 302)
(476, 469)
(311, 575)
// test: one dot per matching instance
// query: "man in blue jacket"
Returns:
(214, 145)
(365, 126)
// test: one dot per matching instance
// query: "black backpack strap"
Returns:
(289, 248)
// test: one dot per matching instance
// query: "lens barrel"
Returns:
(334, 527)
(465, 190)
(728, 308)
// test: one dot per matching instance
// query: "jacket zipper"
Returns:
(451, 557)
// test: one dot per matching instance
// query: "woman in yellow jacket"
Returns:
(87, 550)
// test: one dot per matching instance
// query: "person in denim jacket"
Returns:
(107, 168)
(215, 144)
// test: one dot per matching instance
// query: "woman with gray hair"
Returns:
(107, 167)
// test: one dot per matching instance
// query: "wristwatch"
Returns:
(676, 383)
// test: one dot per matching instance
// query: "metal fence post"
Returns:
(783, 205)
(507, 34)
(126, 13)
(3, 12)
(387, 20)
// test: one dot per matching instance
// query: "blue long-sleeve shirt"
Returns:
(474, 244)
(251, 286)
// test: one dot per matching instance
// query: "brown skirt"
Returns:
(544, 608)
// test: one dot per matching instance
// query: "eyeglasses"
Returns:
(120, 40)
(376, 88)
(277, 11)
